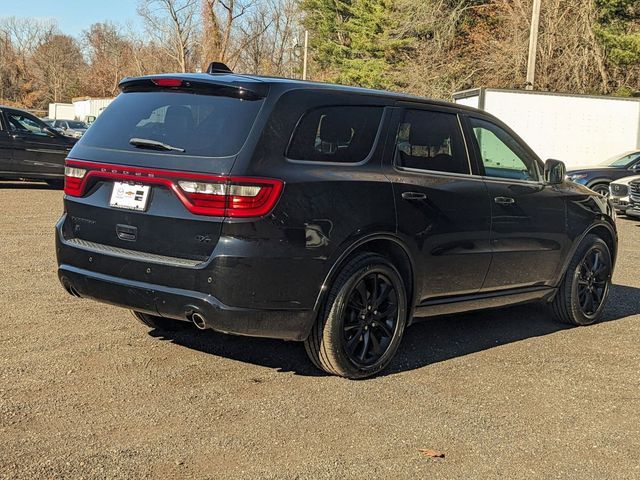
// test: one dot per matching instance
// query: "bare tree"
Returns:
(173, 25)
(267, 39)
(59, 65)
(110, 55)
(220, 28)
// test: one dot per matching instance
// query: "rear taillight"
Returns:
(73, 180)
(200, 194)
(235, 197)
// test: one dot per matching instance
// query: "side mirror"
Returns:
(636, 168)
(52, 132)
(554, 172)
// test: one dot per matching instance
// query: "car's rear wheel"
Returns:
(160, 323)
(601, 188)
(361, 325)
(582, 296)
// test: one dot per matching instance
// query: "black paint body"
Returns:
(31, 156)
(456, 248)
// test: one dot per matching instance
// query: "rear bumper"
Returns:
(180, 304)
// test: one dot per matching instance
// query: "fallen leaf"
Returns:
(431, 453)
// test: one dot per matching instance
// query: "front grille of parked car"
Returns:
(634, 191)
(619, 190)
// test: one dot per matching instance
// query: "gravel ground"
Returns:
(87, 392)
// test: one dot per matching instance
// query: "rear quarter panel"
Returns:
(283, 259)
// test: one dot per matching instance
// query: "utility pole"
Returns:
(304, 59)
(533, 44)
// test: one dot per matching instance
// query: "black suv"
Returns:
(320, 213)
(30, 149)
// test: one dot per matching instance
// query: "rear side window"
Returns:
(201, 125)
(431, 141)
(342, 134)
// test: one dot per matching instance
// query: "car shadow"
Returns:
(426, 342)
(20, 185)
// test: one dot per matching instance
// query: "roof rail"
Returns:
(218, 67)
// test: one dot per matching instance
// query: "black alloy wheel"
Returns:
(370, 319)
(582, 295)
(592, 282)
(360, 327)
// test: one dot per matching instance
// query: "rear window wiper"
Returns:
(148, 143)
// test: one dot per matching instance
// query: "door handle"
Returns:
(504, 200)
(414, 196)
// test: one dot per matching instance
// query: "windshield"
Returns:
(619, 161)
(195, 124)
(77, 124)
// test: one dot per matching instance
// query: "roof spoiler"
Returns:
(218, 67)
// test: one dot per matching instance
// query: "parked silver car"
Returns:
(70, 128)
(634, 199)
(619, 193)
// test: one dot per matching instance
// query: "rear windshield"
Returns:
(201, 125)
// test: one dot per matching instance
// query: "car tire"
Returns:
(160, 323)
(362, 322)
(601, 188)
(583, 293)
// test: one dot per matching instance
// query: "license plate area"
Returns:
(130, 196)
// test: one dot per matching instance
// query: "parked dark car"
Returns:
(30, 149)
(598, 177)
(320, 213)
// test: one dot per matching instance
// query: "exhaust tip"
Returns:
(70, 288)
(198, 321)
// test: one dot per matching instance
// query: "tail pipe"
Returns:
(199, 321)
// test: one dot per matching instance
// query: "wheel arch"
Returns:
(598, 181)
(603, 230)
(386, 245)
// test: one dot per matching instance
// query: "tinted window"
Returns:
(202, 125)
(19, 122)
(335, 134)
(431, 141)
(502, 156)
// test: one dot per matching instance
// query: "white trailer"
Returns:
(61, 111)
(87, 108)
(577, 129)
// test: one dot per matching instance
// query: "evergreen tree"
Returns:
(351, 40)
(619, 30)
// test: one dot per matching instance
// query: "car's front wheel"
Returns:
(601, 188)
(582, 296)
(361, 325)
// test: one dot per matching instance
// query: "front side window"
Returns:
(431, 141)
(341, 134)
(21, 123)
(502, 156)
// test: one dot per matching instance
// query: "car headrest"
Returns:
(334, 130)
(427, 134)
(178, 117)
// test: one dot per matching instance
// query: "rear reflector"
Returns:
(201, 194)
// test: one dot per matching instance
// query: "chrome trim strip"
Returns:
(130, 254)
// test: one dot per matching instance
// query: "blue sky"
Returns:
(74, 16)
